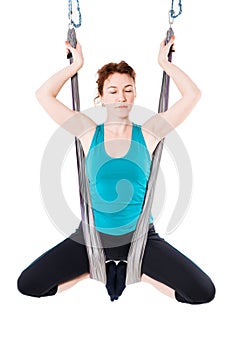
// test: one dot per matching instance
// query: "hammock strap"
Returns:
(95, 251)
(139, 239)
(92, 239)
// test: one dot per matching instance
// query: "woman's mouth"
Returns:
(122, 106)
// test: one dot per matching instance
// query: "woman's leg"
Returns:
(158, 285)
(66, 285)
(56, 270)
(173, 273)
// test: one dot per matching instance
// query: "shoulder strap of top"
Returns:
(98, 135)
(138, 136)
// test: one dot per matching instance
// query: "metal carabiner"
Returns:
(170, 17)
(72, 22)
(172, 13)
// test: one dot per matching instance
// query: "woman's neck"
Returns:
(117, 126)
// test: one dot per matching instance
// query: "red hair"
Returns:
(109, 69)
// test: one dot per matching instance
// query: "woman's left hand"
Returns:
(164, 51)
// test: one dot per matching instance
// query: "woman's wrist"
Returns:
(165, 65)
(74, 68)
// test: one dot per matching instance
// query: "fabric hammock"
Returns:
(93, 243)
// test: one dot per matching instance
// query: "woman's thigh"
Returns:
(167, 265)
(64, 262)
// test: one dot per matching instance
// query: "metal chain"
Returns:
(70, 13)
(172, 12)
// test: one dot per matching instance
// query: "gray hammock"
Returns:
(92, 239)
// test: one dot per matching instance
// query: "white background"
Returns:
(32, 49)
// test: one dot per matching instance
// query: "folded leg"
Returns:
(167, 265)
(62, 263)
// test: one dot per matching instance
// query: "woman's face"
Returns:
(118, 94)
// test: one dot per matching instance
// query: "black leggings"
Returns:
(161, 261)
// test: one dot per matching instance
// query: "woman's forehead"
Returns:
(116, 79)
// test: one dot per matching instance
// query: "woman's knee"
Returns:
(202, 293)
(208, 292)
(24, 285)
(27, 285)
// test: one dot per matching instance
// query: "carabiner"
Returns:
(170, 17)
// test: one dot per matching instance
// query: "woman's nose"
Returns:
(121, 97)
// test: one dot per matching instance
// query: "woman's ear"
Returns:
(102, 102)
(98, 100)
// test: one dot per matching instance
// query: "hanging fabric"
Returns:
(92, 238)
(95, 251)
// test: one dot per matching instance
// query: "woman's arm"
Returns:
(75, 122)
(163, 123)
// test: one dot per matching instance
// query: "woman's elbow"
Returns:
(42, 96)
(39, 94)
(195, 96)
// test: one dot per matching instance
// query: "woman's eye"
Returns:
(114, 92)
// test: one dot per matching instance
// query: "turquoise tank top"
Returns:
(118, 185)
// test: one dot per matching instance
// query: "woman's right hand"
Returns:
(77, 54)
(164, 51)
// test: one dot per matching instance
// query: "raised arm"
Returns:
(161, 124)
(75, 122)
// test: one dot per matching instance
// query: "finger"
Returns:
(78, 46)
(68, 44)
(163, 43)
(171, 41)
(170, 44)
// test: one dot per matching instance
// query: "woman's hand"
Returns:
(164, 51)
(77, 54)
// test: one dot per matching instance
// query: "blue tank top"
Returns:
(118, 185)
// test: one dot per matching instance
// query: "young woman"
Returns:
(163, 266)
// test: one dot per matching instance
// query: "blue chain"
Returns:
(172, 12)
(76, 25)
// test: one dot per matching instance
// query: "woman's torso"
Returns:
(118, 170)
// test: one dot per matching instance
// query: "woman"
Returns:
(163, 266)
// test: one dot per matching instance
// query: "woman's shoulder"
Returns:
(136, 125)
(87, 138)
